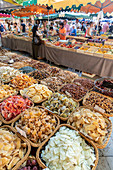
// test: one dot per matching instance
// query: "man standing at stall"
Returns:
(62, 31)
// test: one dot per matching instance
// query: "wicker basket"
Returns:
(109, 129)
(12, 120)
(83, 86)
(100, 90)
(35, 144)
(23, 139)
(70, 94)
(45, 143)
(61, 118)
(32, 100)
(87, 95)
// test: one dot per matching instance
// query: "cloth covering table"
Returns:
(92, 64)
(17, 44)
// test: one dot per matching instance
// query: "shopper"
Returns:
(73, 31)
(99, 28)
(23, 26)
(67, 27)
(78, 25)
(62, 31)
(105, 27)
(16, 28)
(9, 26)
(1, 27)
(111, 28)
(89, 30)
(12, 29)
(83, 27)
(36, 41)
(52, 31)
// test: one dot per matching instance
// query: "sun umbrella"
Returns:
(32, 10)
(106, 6)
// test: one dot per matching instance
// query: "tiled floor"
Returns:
(106, 154)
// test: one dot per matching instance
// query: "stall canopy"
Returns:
(74, 5)
(106, 6)
(33, 10)
(64, 15)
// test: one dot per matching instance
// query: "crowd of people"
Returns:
(58, 28)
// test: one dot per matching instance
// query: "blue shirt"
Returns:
(1, 28)
(73, 32)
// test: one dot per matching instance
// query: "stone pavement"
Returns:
(106, 155)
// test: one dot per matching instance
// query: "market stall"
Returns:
(55, 112)
(97, 60)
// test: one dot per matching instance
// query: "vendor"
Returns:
(73, 31)
(62, 31)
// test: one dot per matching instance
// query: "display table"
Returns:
(83, 62)
(92, 64)
(17, 44)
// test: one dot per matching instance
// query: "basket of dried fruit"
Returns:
(76, 91)
(66, 148)
(7, 73)
(14, 148)
(54, 83)
(39, 74)
(86, 83)
(22, 81)
(37, 93)
(92, 124)
(105, 86)
(30, 163)
(12, 107)
(61, 105)
(99, 102)
(36, 124)
(6, 91)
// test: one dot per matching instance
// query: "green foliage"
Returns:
(19, 1)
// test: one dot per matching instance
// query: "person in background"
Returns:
(73, 31)
(105, 27)
(62, 31)
(1, 27)
(16, 28)
(111, 28)
(101, 32)
(12, 29)
(89, 30)
(83, 27)
(99, 28)
(67, 27)
(78, 26)
(36, 41)
(9, 26)
(23, 26)
(5, 24)
(52, 31)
